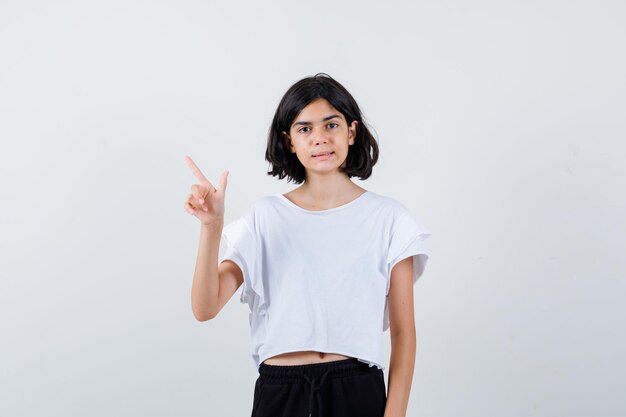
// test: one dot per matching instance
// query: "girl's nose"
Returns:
(320, 137)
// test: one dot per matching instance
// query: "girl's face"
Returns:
(320, 128)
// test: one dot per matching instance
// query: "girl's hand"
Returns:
(205, 201)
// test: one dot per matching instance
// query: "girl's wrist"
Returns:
(219, 222)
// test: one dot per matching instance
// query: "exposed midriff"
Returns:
(304, 358)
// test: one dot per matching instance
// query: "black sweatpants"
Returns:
(344, 388)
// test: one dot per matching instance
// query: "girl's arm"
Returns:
(205, 288)
(206, 202)
(403, 339)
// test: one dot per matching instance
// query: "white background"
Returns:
(501, 127)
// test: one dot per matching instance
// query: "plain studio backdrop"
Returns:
(501, 126)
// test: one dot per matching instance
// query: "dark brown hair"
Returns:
(362, 155)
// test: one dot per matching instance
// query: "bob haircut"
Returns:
(362, 155)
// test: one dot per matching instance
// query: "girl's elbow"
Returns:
(203, 315)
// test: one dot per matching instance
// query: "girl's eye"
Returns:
(331, 125)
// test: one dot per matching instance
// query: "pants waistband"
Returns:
(294, 373)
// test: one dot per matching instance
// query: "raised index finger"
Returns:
(194, 168)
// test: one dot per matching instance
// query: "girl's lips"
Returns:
(324, 155)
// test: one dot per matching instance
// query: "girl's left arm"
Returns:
(403, 339)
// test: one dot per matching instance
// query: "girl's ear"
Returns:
(352, 131)
(287, 140)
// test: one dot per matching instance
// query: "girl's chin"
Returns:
(324, 170)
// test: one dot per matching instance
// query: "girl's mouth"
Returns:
(323, 155)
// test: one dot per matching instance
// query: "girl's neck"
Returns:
(325, 194)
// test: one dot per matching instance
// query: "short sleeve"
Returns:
(240, 245)
(407, 239)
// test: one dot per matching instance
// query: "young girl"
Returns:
(326, 268)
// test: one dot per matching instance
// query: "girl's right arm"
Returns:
(205, 288)
(213, 287)
(207, 204)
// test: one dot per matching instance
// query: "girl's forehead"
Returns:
(317, 104)
(316, 111)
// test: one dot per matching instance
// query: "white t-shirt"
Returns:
(319, 280)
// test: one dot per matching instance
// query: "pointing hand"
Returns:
(205, 201)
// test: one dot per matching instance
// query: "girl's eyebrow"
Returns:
(323, 120)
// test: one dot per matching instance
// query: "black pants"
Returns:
(344, 388)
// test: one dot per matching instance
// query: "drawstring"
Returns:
(314, 388)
